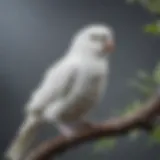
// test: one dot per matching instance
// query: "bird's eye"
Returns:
(94, 37)
(100, 38)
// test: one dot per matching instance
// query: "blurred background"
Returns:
(34, 34)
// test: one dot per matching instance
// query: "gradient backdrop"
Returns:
(33, 34)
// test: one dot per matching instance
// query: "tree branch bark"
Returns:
(143, 118)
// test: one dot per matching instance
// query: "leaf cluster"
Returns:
(145, 84)
(153, 7)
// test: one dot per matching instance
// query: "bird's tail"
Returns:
(24, 138)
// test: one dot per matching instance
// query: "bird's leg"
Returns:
(66, 130)
(73, 128)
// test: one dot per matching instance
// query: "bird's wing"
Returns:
(57, 83)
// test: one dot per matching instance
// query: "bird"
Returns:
(70, 88)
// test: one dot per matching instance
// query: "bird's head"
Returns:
(95, 40)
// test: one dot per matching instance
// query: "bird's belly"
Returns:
(77, 110)
(85, 102)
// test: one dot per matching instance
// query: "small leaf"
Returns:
(153, 28)
(155, 135)
(154, 6)
(144, 89)
(131, 108)
(105, 144)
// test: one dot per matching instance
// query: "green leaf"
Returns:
(153, 6)
(153, 28)
(131, 107)
(144, 89)
(156, 74)
(145, 78)
(155, 135)
(105, 143)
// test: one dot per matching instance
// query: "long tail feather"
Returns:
(24, 138)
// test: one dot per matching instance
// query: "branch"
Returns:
(141, 119)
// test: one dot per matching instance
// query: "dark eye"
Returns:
(100, 38)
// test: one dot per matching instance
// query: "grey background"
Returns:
(33, 34)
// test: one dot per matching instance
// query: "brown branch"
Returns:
(141, 119)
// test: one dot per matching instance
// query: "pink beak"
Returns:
(110, 46)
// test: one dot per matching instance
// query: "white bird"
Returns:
(70, 88)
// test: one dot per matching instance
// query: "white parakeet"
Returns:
(70, 88)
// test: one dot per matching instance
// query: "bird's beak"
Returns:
(109, 46)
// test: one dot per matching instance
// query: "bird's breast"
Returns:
(92, 90)
(92, 87)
